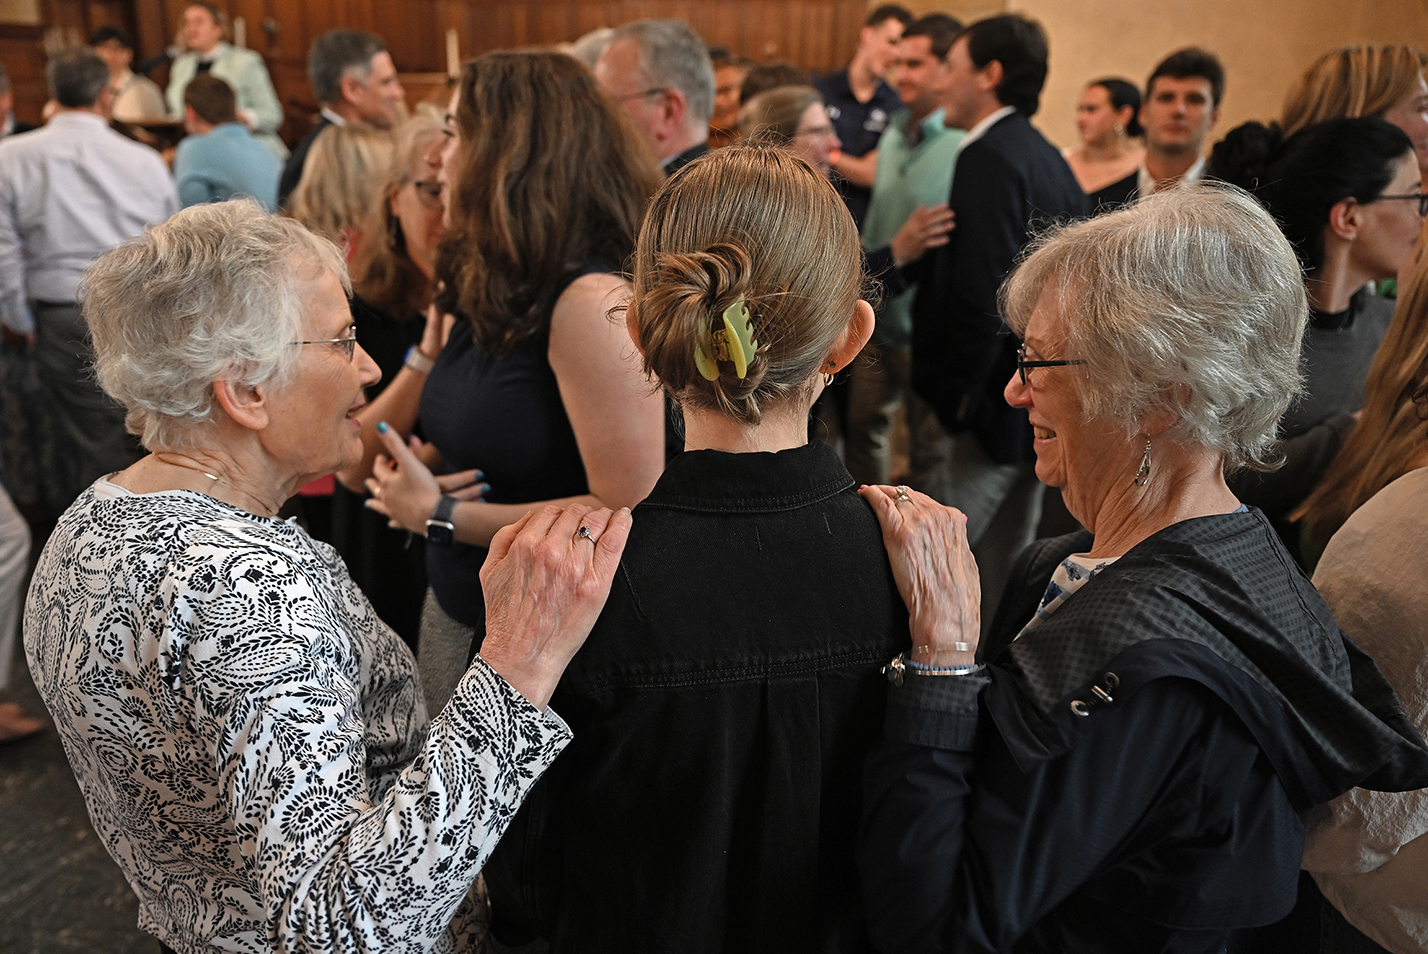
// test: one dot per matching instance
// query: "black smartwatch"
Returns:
(439, 528)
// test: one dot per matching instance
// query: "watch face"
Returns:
(440, 532)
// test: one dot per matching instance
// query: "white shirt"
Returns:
(980, 130)
(68, 193)
(1145, 182)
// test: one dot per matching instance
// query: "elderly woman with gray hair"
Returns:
(1122, 763)
(250, 739)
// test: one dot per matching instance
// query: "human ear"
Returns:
(349, 88)
(244, 405)
(632, 325)
(1344, 218)
(992, 74)
(850, 343)
(674, 108)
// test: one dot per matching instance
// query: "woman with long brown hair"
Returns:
(535, 388)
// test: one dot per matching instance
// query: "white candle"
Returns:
(453, 53)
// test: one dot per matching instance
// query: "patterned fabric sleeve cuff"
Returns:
(521, 707)
(493, 717)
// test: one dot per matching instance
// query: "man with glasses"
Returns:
(660, 73)
(220, 158)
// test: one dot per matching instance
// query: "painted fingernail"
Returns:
(381, 427)
(478, 475)
(485, 489)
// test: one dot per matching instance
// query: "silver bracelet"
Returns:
(902, 664)
(417, 361)
(957, 647)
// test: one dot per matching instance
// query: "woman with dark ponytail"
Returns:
(726, 699)
(1348, 195)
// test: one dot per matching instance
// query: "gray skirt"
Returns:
(442, 651)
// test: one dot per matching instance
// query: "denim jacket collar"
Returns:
(714, 481)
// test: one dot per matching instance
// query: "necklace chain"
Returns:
(215, 478)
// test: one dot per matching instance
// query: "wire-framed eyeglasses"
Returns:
(1022, 364)
(347, 345)
(652, 91)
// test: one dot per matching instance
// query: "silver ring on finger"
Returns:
(584, 534)
(902, 495)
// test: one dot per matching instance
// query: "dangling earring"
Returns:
(1143, 475)
(1119, 129)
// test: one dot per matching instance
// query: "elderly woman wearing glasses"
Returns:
(1122, 763)
(250, 738)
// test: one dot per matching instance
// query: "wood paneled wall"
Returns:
(816, 34)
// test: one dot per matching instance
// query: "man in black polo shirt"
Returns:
(860, 104)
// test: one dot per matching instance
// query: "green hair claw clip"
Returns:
(734, 342)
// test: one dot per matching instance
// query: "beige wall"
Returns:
(1264, 44)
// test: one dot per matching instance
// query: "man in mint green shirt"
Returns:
(915, 159)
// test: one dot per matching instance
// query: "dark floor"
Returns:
(59, 890)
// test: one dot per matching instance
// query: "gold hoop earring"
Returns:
(1142, 476)
(827, 379)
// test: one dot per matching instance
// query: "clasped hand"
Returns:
(405, 491)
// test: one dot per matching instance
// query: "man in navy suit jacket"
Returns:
(1008, 182)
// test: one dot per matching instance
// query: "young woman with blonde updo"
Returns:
(726, 698)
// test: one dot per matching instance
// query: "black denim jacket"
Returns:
(722, 709)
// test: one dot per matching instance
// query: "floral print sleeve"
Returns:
(250, 738)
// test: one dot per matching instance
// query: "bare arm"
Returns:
(617, 417)
(859, 170)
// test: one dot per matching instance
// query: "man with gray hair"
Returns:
(68, 193)
(353, 77)
(660, 73)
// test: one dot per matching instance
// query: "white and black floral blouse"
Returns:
(251, 739)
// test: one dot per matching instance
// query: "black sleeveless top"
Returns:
(502, 415)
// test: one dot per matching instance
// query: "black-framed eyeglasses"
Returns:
(347, 345)
(654, 91)
(1420, 197)
(1022, 364)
